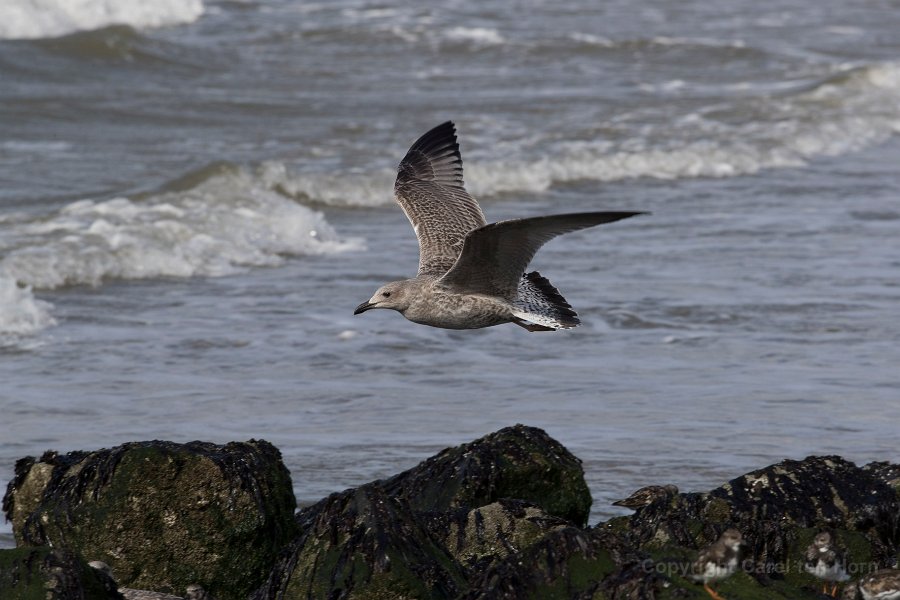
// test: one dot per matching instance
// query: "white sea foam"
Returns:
(852, 110)
(30, 19)
(482, 36)
(20, 313)
(222, 225)
(591, 39)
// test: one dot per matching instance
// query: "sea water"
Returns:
(195, 196)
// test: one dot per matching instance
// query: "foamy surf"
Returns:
(32, 19)
(21, 314)
(849, 111)
(222, 226)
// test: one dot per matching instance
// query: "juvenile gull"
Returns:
(472, 274)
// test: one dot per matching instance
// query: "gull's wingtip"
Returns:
(434, 157)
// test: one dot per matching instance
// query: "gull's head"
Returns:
(395, 295)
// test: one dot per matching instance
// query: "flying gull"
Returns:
(471, 273)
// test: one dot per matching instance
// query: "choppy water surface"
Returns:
(194, 198)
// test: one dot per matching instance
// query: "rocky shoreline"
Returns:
(503, 516)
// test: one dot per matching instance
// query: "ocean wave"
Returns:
(223, 225)
(846, 112)
(479, 36)
(589, 39)
(32, 19)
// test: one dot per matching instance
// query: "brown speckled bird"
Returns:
(881, 585)
(647, 496)
(471, 273)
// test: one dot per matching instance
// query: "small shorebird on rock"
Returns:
(471, 273)
(647, 496)
(881, 585)
(827, 561)
(718, 560)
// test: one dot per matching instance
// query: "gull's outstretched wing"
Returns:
(430, 190)
(494, 257)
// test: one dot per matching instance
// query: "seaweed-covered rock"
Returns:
(566, 563)
(163, 515)
(48, 574)
(425, 532)
(778, 509)
(363, 543)
(516, 462)
(479, 537)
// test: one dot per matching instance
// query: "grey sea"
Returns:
(195, 196)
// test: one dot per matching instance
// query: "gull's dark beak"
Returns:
(363, 308)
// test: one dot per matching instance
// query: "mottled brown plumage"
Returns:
(647, 496)
(881, 585)
(472, 274)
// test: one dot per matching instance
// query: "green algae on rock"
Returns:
(43, 573)
(425, 532)
(163, 515)
(770, 505)
(515, 462)
(566, 563)
(364, 544)
(479, 537)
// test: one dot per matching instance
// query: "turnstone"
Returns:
(647, 496)
(718, 560)
(881, 585)
(826, 560)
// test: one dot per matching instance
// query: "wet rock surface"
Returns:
(422, 533)
(516, 462)
(162, 515)
(500, 517)
(47, 574)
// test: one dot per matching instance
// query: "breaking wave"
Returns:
(217, 228)
(221, 226)
(32, 19)
(847, 112)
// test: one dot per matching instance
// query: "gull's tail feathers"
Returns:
(540, 307)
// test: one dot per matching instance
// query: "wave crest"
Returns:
(844, 113)
(219, 227)
(33, 19)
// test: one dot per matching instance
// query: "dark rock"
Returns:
(887, 472)
(479, 537)
(48, 574)
(193, 591)
(516, 462)
(566, 563)
(425, 532)
(363, 543)
(778, 509)
(163, 515)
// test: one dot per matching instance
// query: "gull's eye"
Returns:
(386, 294)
